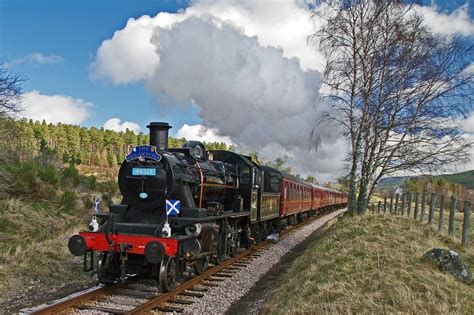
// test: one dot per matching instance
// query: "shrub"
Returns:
(67, 201)
(70, 177)
(92, 182)
(25, 175)
(49, 174)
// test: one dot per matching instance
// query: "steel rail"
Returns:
(61, 305)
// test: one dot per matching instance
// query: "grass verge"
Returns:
(371, 264)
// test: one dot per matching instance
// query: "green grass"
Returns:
(371, 264)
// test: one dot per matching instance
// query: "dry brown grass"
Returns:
(371, 264)
(33, 247)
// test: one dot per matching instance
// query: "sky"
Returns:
(234, 71)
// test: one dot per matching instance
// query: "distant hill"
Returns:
(391, 182)
(464, 178)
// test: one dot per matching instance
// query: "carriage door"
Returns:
(254, 196)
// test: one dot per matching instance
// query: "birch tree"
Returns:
(397, 89)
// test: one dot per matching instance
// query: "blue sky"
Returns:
(74, 30)
(90, 61)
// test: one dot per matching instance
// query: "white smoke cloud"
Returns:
(262, 100)
(54, 108)
(202, 133)
(115, 124)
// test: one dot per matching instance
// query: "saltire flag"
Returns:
(173, 207)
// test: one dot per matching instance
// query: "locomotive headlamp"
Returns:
(77, 245)
(154, 252)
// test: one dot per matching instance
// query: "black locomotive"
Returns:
(182, 208)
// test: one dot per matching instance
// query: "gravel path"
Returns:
(219, 299)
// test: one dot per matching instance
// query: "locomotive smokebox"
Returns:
(159, 134)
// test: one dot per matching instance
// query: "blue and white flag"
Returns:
(97, 204)
(173, 207)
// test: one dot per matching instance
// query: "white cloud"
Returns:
(470, 68)
(456, 22)
(116, 125)
(54, 108)
(467, 124)
(202, 133)
(130, 57)
(40, 58)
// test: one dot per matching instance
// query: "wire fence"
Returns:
(434, 211)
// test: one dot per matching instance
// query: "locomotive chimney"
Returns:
(159, 134)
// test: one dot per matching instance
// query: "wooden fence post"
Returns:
(423, 207)
(432, 208)
(417, 197)
(385, 205)
(378, 208)
(452, 211)
(404, 196)
(465, 224)
(396, 203)
(410, 198)
(391, 204)
(441, 215)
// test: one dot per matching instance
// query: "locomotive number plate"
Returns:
(143, 171)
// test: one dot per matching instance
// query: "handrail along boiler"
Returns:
(183, 207)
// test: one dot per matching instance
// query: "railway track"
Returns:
(139, 298)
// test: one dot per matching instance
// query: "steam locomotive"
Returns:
(184, 208)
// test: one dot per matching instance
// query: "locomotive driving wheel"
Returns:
(167, 277)
(202, 264)
(101, 266)
(105, 270)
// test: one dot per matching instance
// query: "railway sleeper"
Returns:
(169, 309)
(224, 275)
(242, 265)
(118, 300)
(193, 294)
(181, 301)
(100, 309)
(198, 289)
(134, 293)
(209, 284)
(216, 279)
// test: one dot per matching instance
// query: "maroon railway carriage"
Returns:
(298, 198)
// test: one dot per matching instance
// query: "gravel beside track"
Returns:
(219, 299)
